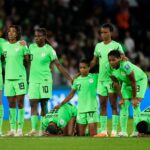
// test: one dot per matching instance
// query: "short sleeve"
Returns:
(96, 51)
(120, 49)
(127, 68)
(74, 86)
(53, 54)
(26, 50)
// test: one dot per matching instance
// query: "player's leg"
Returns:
(115, 117)
(124, 109)
(140, 92)
(12, 115)
(81, 124)
(34, 96)
(103, 98)
(20, 101)
(45, 95)
(93, 119)
(71, 127)
(1, 106)
(10, 93)
(20, 89)
(1, 113)
(43, 103)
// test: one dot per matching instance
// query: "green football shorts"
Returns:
(87, 117)
(15, 87)
(141, 87)
(105, 87)
(40, 90)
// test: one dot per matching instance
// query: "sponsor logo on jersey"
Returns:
(43, 54)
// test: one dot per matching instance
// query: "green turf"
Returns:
(72, 143)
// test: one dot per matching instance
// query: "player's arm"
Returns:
(62, 70)
(93, 62)
(27, 65)
(123, 57)
(71, 126)
(117, 86)
(131, 76)
(67, 99)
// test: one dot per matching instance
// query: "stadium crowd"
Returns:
(73, 27)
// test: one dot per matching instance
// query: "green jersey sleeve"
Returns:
(127, 67)
(96, 51)
(53, 54)
(26, 50)
(75, 85)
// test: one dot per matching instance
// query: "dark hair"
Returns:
(86, 61)
(108, 25)
(18, 30)
(41, 30)
(142, 127)
(114, 53)
(52, 130)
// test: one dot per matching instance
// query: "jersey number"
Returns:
(78, 87)
(21, 86)
(45, 89)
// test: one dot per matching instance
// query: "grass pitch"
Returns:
(71, 143)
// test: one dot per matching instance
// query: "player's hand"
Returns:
(135, 102)
(23, 43)
(121, 102)
(124, 58)
(57, 106)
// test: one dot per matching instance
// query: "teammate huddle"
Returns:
(117, 77)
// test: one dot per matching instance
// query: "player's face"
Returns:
(105, 34)
(12, 34)
(39, 37)
(114, 61)
(84, 69)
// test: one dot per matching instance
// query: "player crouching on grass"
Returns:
(85, 84)
(143, 127)
(60, 121)
(133, 86)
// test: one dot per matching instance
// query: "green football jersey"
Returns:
(14, 59)
(145, 115)
(60, 116)
(2, 41)
(101, 51)
(41, 58)
(124, 70)
(86, 88)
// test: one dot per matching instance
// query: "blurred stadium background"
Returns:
(73, 31)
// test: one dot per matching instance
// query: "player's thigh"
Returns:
(81, 118)
(8, 88)
(34, 91)
(126, 91)
(46, 90)
(141, 87)
(92, 117)
(20, 86)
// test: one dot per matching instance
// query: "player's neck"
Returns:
(40, 44)
(84, 75)
(12, 41)
(107, 41)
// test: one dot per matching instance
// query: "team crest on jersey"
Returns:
(61, 121)
(91, 80)
(17, 49)
(43, 54)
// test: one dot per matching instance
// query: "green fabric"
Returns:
(41, 120)
(34, 122)
(101, 52)
(124, 70)
(115, 121)
(86, 89)
(1, 117)
(136, 116)
(41, 58)
(14, 58)
(20, 118)
(60, 116)
(12, 118)
(124, 113)
(103, 121)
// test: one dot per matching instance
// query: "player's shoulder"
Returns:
(33, 45)
(125, 65)
(115, 42)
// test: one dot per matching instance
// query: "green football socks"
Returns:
(34, 122)
(12, 118)
(20, 118)
(1, 117)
